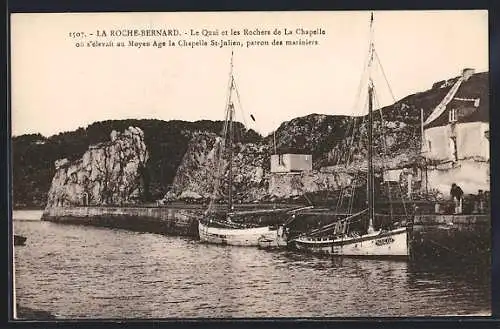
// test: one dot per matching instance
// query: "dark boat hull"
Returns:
(19, 240)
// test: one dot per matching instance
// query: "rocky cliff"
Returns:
(338, 145)
(198, 174)
(107, 173)
(180, 154)
(296, 185)
(33, 155)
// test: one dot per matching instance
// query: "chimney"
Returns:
(467, 73)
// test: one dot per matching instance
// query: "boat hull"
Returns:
(278, 241)
(387, 244)
(272, 243)
(235, 236)
(19, 240)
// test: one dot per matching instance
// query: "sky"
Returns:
(58, 87)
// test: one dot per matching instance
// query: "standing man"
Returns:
(457, 196)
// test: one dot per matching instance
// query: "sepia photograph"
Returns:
(250, 165)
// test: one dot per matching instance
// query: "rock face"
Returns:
(181, 153)
(108, 173)
(283, 186)
(333, 141)
(197, 177)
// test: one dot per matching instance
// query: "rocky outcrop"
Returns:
(179, 151)
(338, 145)
(284, 186)
(108, 173)
(197, 177)
(201, 172)
(332, 140)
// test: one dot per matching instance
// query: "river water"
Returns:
(88, 272)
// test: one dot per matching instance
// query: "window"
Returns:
(280, 160)
(452, 115)
(430, 149)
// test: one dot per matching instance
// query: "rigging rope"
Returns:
(344, 221)
(221, 145)
(239, 133)
(352, 124)
(342, 193)
(239, 102)
(384, 143)
(353, 186)
(362, 80)
(383, 127)
(383, 74)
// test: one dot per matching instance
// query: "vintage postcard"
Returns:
(250, 164)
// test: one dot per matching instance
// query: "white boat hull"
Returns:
(387, 244)
(235, 236)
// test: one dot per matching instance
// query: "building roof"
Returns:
(463, 102)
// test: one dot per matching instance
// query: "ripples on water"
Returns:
(88, 272)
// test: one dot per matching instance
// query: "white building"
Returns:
(456, 142)
(286, 163)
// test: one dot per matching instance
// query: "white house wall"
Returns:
(276, 167)
(437, 141)
(470, 175)
(291, 162)
(472, 141)
(470, 138)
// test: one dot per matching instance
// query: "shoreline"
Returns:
(173, 219)
(462, 236)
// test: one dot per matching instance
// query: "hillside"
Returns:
(33, 155)
(178, 149)
(324, 135)
(108, 173)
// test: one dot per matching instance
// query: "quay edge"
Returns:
(160, 220)
(452, 237)
(432, 236)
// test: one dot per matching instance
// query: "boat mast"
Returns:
(274, 140)
(231, 113)
(423, 148)
(371, 208)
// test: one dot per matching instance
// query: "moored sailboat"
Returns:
(389, 239)
(233, 227)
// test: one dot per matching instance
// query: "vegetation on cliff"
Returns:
(108, 173)
(323, 136)
(33, 155)
(172, 150)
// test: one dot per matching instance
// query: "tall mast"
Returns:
(423, 147)
(371, 208)
(274, 141)
(231, 113)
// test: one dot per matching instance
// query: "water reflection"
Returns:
(413, 288)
